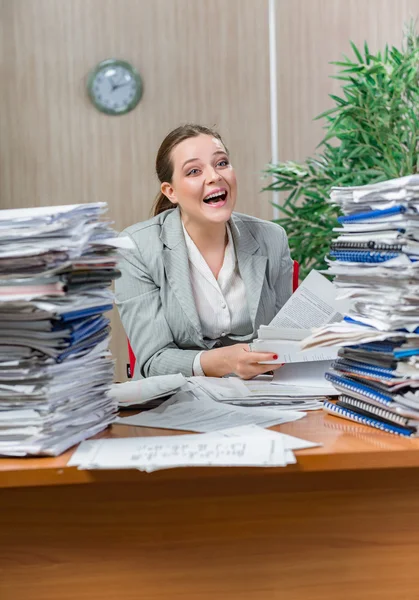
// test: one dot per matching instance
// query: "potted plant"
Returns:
(372, 134)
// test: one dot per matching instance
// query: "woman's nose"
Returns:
(212, 175)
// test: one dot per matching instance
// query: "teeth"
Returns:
(216, 195)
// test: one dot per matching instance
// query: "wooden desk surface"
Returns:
(346, 446)
(342, 523)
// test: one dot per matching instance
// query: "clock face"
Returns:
(114, 87)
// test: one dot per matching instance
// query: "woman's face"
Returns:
(204, 182)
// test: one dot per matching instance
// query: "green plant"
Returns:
(372, 134)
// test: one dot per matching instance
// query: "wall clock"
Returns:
(114, 87)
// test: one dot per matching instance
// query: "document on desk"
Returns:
(290, 442)
(258, 392)
(310, 377)
(237, 446)
(144, 391)
(313, 304)
(148, 453)
(186, 411)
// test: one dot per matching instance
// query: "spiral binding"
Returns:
(373, 214)
(371, 245)
(358, 390)
(349, 367)
(352, 416)
(363, 256)
(376, 410)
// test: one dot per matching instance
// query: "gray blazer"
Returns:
(154, 294)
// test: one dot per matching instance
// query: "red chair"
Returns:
(131, 355)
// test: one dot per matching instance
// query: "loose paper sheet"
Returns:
(186, 412)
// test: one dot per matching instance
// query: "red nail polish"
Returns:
(275, 356)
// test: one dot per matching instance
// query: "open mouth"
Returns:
(217, 198)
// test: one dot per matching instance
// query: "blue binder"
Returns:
(358, 390)
(373, 214)
(363, 257)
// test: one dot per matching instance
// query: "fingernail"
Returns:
(275, 357)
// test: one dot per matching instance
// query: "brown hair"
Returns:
(164, 165)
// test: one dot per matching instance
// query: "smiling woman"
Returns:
(202, 278)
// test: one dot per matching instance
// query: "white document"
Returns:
(149, 453)
(220, 387)
(186, 412)
(291, 352)
(309, 375)
(257, 392)
(277, 389)
(290, 442)
(313, 304)
(134, 393)
(247, 447)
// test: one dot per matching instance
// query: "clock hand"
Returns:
(112, 82)
(115, 87)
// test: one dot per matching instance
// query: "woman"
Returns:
(202, 278)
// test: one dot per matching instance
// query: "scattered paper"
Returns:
(142, 391)
(240, 446)
(188, 412)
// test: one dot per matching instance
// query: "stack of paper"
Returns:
(297, 387)
(56, 264)
(375, 261)
(313, 304)
(292, 392)
(247, 446)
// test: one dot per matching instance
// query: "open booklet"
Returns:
(314, 304)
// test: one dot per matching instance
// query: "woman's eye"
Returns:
(222, 163)
(192, 172)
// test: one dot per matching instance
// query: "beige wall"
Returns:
(311, 34)
(201, 60)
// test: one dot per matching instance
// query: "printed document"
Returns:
(238, 446)
(313, 304)
(187, 411)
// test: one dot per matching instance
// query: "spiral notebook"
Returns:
(362, 256)
(357, 368)
(375, 215)
(359, 390)
(351, 415)
(379, 359)
(375, 412)
(370, 245)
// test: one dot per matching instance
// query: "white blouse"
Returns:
(221, 303)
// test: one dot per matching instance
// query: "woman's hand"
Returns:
(237, 359)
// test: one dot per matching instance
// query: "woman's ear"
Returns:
(169, 192)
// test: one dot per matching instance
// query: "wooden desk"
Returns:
(341, 524)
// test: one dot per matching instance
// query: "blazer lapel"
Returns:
(176, 262)
(252, 265)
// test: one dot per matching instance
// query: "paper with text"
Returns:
(313, 304)
(187, 412)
